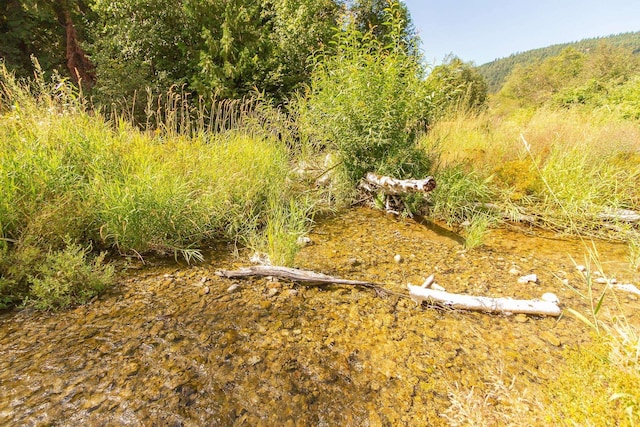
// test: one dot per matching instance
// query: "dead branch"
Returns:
(486, 304)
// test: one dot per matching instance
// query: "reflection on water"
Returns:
(172, 346)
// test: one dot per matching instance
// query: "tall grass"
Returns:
(591, 160)
(69, 177)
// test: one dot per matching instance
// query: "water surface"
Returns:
(171, 346)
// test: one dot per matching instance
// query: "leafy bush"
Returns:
(67, 277)
(368, 103)
(456, 86)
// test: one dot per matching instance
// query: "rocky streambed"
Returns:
(177, 345)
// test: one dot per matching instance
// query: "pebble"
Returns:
(265, 305)
(233, 288)
(581, 268)
(304, 241)
(156, 328)
(529, 278)
(205, 290)
(254, 360)
(94, 401)
(130, 369)
(551, 338)
(398, 258)
(514, 271)
(521, 318)
(272, 292)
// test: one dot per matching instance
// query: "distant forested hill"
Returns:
(496, 72)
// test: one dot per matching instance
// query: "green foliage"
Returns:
(476, 230)
(458, 194)
(51, 279)
(497, 72)
(226, 48)
(280, 237)
(595, 79)
(27, 29)
(372, 16)
(367, 102)
(140, 44)
(69, 178)
(456, 86)
(67, 277)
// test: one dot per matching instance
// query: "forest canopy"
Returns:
(229, 48)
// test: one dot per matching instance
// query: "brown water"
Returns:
(171, 346)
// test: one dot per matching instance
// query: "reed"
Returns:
(70, 177)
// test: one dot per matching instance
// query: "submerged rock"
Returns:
(529, 278)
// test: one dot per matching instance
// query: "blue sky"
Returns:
(481, 31)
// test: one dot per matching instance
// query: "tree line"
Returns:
(496, 72)
(229, 48)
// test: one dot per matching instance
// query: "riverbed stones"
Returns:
(204, 377)
(551, 338)
(156, 328)
(130, 369)
(529, 278)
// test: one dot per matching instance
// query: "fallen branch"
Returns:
(401, 186)
(486, 304)
(292, 274)
(301, 276)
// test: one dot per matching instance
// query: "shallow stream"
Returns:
(172, 345)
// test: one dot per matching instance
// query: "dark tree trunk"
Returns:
(80, 68)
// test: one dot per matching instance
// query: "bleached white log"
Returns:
(627, 287)
(401, 186)
(486, 304)
(624, 215)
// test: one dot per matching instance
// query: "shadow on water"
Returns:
(178, 345)
(439, 230)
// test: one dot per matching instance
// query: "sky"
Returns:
(481, 31)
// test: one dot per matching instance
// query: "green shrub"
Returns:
(67, 277)
(368, 102)
(456, 86)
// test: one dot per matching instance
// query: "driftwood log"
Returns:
(393, 188)
(416, 293)
(396, 186)
(301, 276)
(486, 304)
(293, 274)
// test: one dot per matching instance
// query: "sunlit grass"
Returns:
(592, 161)
(70, 177)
